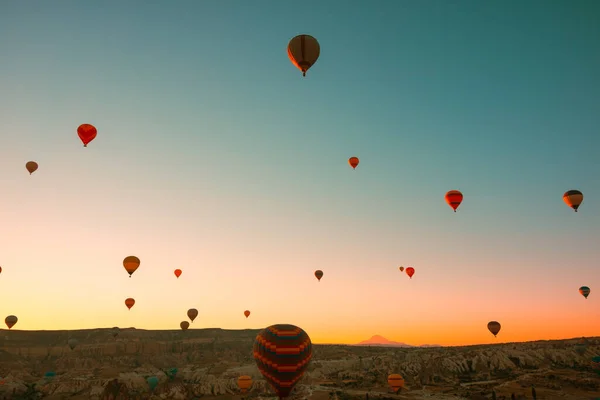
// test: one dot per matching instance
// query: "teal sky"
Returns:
(215, 155)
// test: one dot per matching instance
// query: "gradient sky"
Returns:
(215, 156)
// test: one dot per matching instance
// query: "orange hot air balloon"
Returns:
(353, 161)
(178, 273)
(247, 313)
(10, 321)
(192, 314)
(184, 325)
(282, 354)
(244, 383)
(129, 302)
(87, 133)
(303, 51)
(454, 198)
(494, 327)
(401, 269)
(319, 274)
(131, 263)
(396, 382)
(31, 166)
(573, 199)
(410, 271)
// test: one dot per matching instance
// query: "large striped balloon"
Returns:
(282, 353)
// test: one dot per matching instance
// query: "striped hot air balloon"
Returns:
(454, 198)
(282, 353)
(573, 198)
(396, 382)
(585, 291)
(244, 383)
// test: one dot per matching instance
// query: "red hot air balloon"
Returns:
(178, 273)
(282, 353)
(247, 313)
(87, 133)
(454, 198)
(184, 325)
(353, 161)
(10, 321)
(410, 271)
(129, 302)
(319, 274)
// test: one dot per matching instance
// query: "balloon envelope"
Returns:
(152, 382)
(131, 264)
(31, 166)
(396, 382)
(303, 51)
(585, 291)
(573, 198)
(86, 133)
(401, 269)
(73, 343)
(129, 302)
(319, 274)
(454, 198)
(282, 353)
(10, 321)
(192, 314)
(353, 161)
(410, 271)
(247, 313)
(244, 383)
(494, 327)
(184, 325)
(178, 273)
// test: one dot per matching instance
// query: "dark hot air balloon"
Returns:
(131, 264)
(87, 133)
(129, 302)
(73, 343)
(31, 166)
(303, 51)
(401, 269)
(184, 325)
(319, 274)
(585, 291)
(282, 353)
(192, 313)
(10, 321)
(494, 327)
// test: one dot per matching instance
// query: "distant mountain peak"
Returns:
(378, 340)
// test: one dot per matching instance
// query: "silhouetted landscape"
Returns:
(209, 361)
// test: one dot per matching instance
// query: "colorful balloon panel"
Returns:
(282, 353)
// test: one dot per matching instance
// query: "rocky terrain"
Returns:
(208, 362)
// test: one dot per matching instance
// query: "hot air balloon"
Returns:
(585, 291)
(454, 198)
(0, 270)
(303, 51)
(319, 274)
(129, 302)
(410, 271)
(131, 264)
(192, 314)
(573, 199)
(115, 332)
(244, 383)
(152, 382)
(31, 166)
(282, 353)
(10, 321)
(353, 161)
(73, 343)
(247, 313)
(396, 382)
(401, 269)
(49, 375)
(184, 325)
(177, 273)
(494, 327)
(86, 133)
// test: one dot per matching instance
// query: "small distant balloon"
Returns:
(396, 382)
(247, 313)
(31, 166)
(177, 273)
(410, 271)
(73, 343)
(115, 332)
(494, 327)
(585, 291)
(87, 133)
(131, 264)
(401, 269)
(454, 198)
(573, 198)
(303, 51)
(129, 302)
(353, 161)
(244, 383)
(319, 274)
(152, 382)
(10, 321)
(192, 313)
(184, 325)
